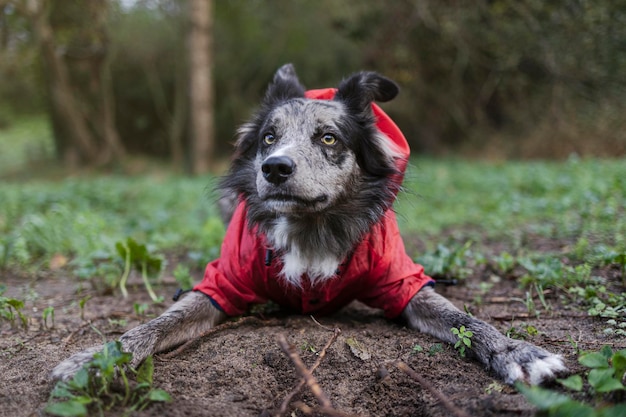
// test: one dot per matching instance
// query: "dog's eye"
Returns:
(329, 139)
(269, 139)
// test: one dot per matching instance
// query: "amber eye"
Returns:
(329, 139)
(269, 139)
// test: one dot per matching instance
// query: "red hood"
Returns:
(383, 123)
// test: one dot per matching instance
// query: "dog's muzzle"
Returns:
(278, 169)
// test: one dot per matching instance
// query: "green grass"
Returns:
(82, 218)
(25, 140)
(565, 200)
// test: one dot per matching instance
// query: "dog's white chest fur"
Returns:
(318, 266)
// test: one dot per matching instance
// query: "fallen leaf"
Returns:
(358, 349)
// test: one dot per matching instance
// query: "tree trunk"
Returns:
(4, 27)
(101, 74)
(200, 85)
(60, 88)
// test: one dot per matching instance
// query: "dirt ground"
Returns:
(241, 370)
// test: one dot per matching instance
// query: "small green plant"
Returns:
(10, 309)
(183, 277)
(599, 302)
(448, 261)
(307, 346)
(619, 259)
(94, 387)
(417, 349)
(140, 309)
(495, 386)
(81, 305)
(465, 339)
(605, 379)
(101, 269)
(529, 302)
(48, 312)
(137, 255)
(525, 331)
(504, 263)
(434, 349)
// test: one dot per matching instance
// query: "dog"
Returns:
(311, 227)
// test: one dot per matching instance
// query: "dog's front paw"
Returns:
(68, 368)
(522, 361)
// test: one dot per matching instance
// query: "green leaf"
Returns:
(146, 371)
(615, 411)
(602, 380)
(594, 360)
(467, 342)
(160, 395)
(469, 333)
(80, 380)
(67, 409)
(619, 363)
(542, 398)
(16, 304)
(572, 408)
(418, 348)
(606, 351)
(574, 382)
(61, 390)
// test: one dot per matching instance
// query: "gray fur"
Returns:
(314, 201)
(183, 321)
(509, 359)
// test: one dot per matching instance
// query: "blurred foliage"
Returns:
(499, 78)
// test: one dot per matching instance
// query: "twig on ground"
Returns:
(303, 372)
(114, 314)
(301, 383)
(224, 326)
(454, 410)
(322, 326)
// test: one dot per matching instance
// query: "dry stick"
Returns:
(296, 390)
(326, 407)
(425, 384)
(114, 314)
(224, 326)
(303, 372)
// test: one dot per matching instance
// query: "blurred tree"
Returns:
(542, 78)
(201, 84)
(473, 68)
(73, 45)
(150, 78)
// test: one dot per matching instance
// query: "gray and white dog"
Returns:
(312, 184)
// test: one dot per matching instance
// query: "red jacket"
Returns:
(378, 273)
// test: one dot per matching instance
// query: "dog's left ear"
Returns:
(359, 90)
(285, 86)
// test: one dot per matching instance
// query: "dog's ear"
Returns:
(285, 86)
(359, 90)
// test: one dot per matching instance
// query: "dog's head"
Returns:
(300, 156)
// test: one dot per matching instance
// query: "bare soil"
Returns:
(240, 370)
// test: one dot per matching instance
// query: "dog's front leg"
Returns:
(185, 320)
(511, 360)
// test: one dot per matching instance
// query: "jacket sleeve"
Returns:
(394, 278)
(230, 280)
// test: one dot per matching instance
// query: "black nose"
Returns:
(277, 169)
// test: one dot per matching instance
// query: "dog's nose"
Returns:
(277, 169)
